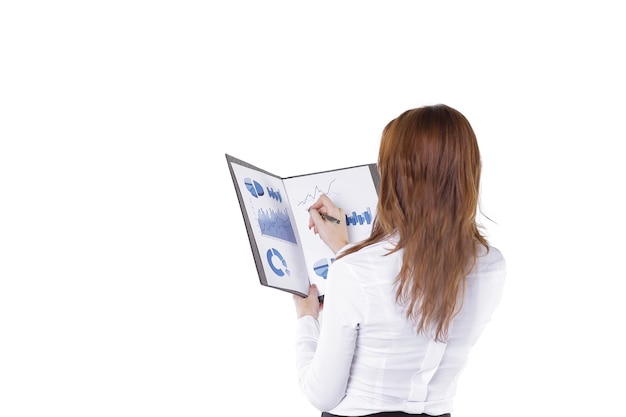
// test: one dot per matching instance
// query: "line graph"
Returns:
(317, 192)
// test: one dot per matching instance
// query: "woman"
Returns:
(403, 308)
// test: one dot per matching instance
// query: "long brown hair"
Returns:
(430, 166)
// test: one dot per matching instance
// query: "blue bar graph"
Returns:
(359, 219)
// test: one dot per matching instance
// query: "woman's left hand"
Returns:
(308, 306)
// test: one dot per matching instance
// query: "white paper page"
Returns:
(351, 189)
(273, 227)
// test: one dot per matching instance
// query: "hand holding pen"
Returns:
(325, 220)
(329, 218)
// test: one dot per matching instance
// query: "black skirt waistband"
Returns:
(390, 414)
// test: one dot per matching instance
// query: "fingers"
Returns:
(323, 206)
(321, 201)
(314, 217)
(309, 305)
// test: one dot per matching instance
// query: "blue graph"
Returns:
(254, 187)
(277, 224)
(321, 267)
(274, 194)
(281, 268)
(359, 219)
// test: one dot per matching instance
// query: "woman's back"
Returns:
(393, 367)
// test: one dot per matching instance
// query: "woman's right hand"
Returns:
(335, 235)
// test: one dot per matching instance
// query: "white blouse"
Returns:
(366, 357)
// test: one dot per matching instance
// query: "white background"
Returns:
(127, 285)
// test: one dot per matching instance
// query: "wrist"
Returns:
(315, 315)
(338, 245)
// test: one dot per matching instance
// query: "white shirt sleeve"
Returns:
(324, 353)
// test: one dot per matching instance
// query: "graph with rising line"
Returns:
(317, 192)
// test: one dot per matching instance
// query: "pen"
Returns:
(327, 217)
(330, 218)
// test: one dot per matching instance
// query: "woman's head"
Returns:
(429, 163)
